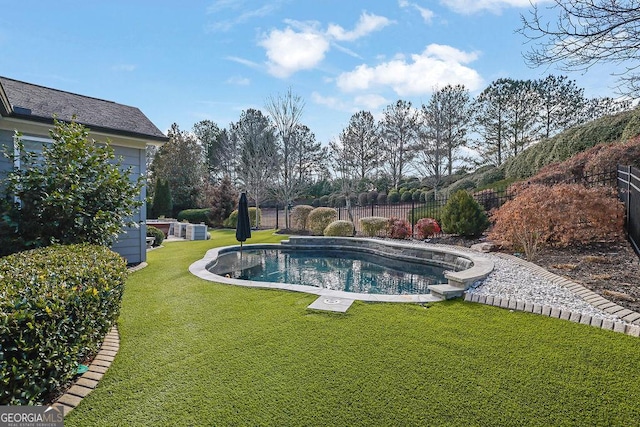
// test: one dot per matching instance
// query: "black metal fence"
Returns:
(412, 211)
(629, 192)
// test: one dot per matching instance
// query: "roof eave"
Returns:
(5, 105)
(105, 130)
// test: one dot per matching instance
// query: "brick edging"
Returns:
(629, 320)
(88, 381)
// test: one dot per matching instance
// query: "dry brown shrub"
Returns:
(607, 159)
(562, 215)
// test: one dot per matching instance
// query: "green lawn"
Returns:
(195, 353)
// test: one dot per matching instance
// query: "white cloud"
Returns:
(243, 61)
(427, 14)
(495, 6)
(331, 102)
(238, 80)
(303, 45)
(290, 51)
(371, 101)
(438, 65)
(244, 16)
(367, 24)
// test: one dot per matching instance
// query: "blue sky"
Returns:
(188, 61)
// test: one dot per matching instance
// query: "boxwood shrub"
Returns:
(319, 218)
(339, 228)
(56, 306)
(155, 233)
(373, 225)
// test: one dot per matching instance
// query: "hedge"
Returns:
(57, 305)
(373, 225)
(194, 216)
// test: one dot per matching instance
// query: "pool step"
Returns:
(446, 291)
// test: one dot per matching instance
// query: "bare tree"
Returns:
(431, 149)
(490, 112)
(399, 129)
(585, 33)
(285, 112)
(258, 160)
(344, 161)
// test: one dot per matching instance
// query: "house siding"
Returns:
(131, 244)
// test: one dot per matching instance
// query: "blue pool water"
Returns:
(330, 269)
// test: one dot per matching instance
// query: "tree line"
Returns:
(272, 155)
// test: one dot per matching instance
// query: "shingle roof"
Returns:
(39, 103)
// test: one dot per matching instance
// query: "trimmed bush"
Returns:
(382, 199)
(232, 221)
(462, 215)
(373, 225)
(426, 227)
(340, 228)
(300, 216)
(398, 228)
(373, 197)
(363, 199)
(156, 233)
(562, 215)
(57, 305)
(393, 197)
(319, 218)
(194, 216)
(406, 197)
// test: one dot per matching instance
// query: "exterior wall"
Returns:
(6, 140)
(131, 244)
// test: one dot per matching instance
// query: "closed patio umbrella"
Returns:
(243, 228)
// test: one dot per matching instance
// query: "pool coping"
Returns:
(446, 256)
(199, 269)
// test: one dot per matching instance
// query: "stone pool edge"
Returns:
(464, 277)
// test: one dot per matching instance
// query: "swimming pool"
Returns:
(340, 270)
(461, 269)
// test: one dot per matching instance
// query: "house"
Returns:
(29, 109)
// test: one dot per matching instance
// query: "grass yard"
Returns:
(195, 353)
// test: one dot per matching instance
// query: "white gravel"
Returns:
(518, 282)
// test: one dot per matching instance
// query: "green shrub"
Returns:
(462, 215)
(300, 216)
(57, 305)
(341, 228)
(232, 221)
(406, 197)
(393, 197)
(463, 184)
(156, 233)
(162, 203)
(373, 225)
(382, 199)
(363, 199)
(194, 216)
(76, 191)
(319, 218)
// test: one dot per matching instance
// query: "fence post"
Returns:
(628, 193)
(372, 208)
(277, 223)
(413, 214)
